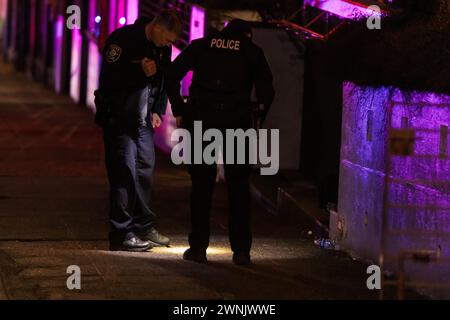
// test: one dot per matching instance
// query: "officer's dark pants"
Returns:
(203, 178)
(130, 162)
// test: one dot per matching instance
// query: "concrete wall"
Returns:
(420, 195)
(287, 65)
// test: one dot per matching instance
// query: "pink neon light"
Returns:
(175, 52)
(132, 11)
(120, 13)
(57, 49)
(112, 15)
(197, 23)
(75, 65)
(341, 8)
(93, 73)
(92, 14)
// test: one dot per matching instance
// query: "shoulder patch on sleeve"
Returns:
(113, 54)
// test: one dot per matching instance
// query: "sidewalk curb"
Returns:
(272, 207)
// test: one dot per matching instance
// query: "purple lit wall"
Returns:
(132, 11)
(197, 23)
(418, 191)
(341, 8)
(58, 45)
(93, 58)
(75, 65)
(93, 73)
(113, 20)
(121, 13)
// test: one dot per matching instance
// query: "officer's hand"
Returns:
(149, 67)
(156, 121)
(179, 121)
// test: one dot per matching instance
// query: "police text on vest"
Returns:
(227, 44)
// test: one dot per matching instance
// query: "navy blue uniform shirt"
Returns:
(122, 73)
(226, 67)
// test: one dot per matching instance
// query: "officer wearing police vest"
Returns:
(226, 67)
(130, 103)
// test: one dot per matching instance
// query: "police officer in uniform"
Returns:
(130, 103)
(226, 67)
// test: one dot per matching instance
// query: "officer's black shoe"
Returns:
(132, 243)
(195, 255)
(241, 259)
(156, 238)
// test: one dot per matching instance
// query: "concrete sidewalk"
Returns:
(53, 214)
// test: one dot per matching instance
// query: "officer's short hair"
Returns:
(170, 20)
